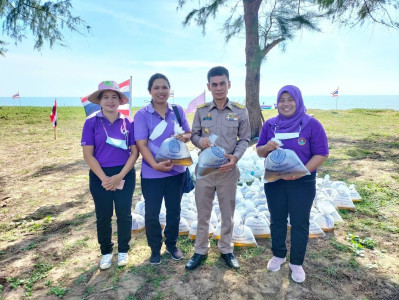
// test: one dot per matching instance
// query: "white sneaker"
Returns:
(123, 259)
(106, 261)
(297, 273)
(275, 263)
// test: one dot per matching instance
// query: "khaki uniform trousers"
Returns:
(225, 185)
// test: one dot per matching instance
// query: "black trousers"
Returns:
(104, 204)
(154, 190)
(293, 197)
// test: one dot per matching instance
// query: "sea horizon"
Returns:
(324, 102)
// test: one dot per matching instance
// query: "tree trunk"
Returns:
(253, 63)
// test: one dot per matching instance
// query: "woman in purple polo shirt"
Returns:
(110, 151)
(292, 195)
(152, 125)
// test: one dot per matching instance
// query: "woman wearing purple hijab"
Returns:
(292, 195)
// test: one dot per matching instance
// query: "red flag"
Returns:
(192, 106)
(53, 115)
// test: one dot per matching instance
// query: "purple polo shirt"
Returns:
(93, 134)
(145, 120)
(312, 140)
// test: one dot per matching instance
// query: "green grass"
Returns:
(361, 141)
(58, 291)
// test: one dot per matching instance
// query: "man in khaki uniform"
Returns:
(228, 120)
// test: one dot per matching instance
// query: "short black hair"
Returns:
(100, 96)
(155, 77)
(218, 71)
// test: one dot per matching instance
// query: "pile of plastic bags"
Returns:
(252, 216)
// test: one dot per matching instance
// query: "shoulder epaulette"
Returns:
(203, 105)
(236, 104)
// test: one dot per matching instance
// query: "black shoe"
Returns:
(175, 253)
(155, 258)
(231, 260)
(195, 261)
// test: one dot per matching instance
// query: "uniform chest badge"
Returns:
(232, 117)
(207, 117)
(301, 141)
(206, 130)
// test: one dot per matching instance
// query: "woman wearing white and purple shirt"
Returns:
(152, 125)
(292, 195)
(110, 151)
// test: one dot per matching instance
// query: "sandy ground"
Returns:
(47, 219)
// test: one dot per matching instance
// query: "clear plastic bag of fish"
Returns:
(174, 150)
(210, 159)
(282, 163)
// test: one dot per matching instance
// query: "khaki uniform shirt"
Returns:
(231, 124)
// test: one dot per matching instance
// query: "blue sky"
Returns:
(140, 38)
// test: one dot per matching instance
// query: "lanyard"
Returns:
(124, 130)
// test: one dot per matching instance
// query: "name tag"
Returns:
(286, 135)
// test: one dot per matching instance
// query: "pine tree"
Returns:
(269, 23)
(44, 20)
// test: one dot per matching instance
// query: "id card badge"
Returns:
(286, 135)
(158, 130)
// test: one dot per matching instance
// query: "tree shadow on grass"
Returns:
(78, 165)
(376, 148)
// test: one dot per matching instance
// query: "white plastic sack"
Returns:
(189, 215)
(192, 234)
(174, 150)
(259, 226)
(342, 198)
(138, 223)
(193, 231)
(162, 218)
(326, 207)
(243, 237)
(211, 159)
(262, 208)
(260, 201)
(326, 222)
(315, 230)
(183, 227)
(354, 194)
(282, 163)
(140, 207)
(336, 216)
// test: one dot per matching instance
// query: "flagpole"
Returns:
(55, 132)
(130, 97)
(19, 98)
(336, 100)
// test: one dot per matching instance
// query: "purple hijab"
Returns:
(292, 123)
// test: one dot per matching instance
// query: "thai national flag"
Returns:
(334, 93)
(15, 96)
(124, 87)
(53, 115)
(172, 93)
